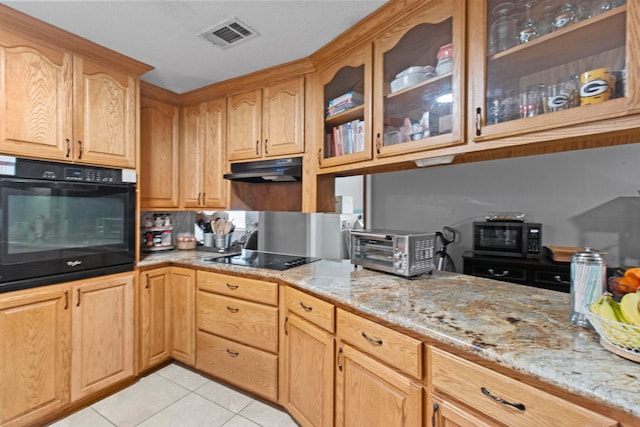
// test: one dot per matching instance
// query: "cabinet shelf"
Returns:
(354, 113)
(589, 37)
(412, 89)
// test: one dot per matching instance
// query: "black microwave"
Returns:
(507, 238)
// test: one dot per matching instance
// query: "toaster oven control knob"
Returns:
(399, 260)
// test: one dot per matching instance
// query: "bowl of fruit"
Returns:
(617, 323)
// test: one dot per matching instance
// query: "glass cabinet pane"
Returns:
(545, 57)
(344, 113)
(417, 85)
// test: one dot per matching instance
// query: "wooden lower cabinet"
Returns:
(35, 332)
(103, 335)
(497, 397)
(371, 394)
(154, 308)
(183, 317)
(308, 372)
(237, 338)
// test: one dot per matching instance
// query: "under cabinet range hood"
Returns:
(275, 170)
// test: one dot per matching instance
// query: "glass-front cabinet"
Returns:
(418, 89)
(543, 65)
(346, 107)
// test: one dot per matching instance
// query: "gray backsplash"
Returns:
(582, 198)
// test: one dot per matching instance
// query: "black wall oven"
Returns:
(62, 222)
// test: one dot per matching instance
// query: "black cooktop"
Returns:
(268, 260)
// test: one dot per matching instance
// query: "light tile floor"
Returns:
(175, 396)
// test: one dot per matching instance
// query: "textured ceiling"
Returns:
(164, 34)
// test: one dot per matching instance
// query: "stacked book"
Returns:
(344, 103)
(346, 139)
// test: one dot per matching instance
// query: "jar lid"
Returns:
(586, 255)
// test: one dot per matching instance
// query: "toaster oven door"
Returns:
(375, 251)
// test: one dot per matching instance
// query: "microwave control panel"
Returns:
(533, 240)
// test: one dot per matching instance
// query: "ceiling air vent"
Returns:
(229, 33)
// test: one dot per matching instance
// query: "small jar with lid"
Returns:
(588, 282)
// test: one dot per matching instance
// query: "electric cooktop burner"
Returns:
(268, 260)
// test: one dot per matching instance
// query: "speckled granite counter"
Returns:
(522, 328)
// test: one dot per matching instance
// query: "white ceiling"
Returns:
(164, 33)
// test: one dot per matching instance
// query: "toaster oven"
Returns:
(404, 253)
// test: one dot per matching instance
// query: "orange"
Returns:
(632, 276)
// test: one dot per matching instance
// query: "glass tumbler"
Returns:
(503, 32)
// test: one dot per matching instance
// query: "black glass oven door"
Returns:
(55, 228)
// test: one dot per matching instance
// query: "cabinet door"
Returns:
(283, 118)
(183, 316)
(308, 388)
(244, 125)
(203, 155)
(35, 330)
(103, 335)
(513, 82)
(370, 394)
(420, 111)
(191, 156)
(155, 328)
(105, 105)
(159, 143)
(215, 122)
(341, 144)
(35, 99)
(443, 413)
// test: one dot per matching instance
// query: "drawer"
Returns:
(505, 399)
(252, 370)
(396, 349)
(556, 279)
(310, 308)
(500, 272)
(238, 287)
(244, 321)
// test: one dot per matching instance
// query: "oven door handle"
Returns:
(372, 235)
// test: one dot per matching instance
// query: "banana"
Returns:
(594, 306)
(630, 307)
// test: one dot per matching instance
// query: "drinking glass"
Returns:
(503, 32)
(601, 6)
(545, 25)
(528, 30)
(565, 15)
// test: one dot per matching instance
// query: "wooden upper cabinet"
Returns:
(418, 84)
(159, 143)
(35, 99)
(533, 88)
(104, 114)
(340, 143)
(203, 155)
(59, 106)
(267, 122)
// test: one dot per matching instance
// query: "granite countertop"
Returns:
(520, 327)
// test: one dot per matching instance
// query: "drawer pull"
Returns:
(371, 340)
(559, 280)
(233, 310)
(494, 274)
(305, 307)
(486, 392)
(433, 415)
(339, 359)
(232, 353)
(233, 287)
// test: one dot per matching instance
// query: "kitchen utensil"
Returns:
(222, 241)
